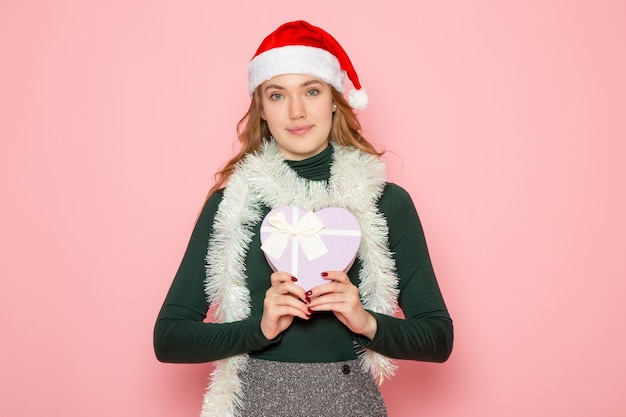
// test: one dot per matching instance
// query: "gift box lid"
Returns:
(305, 243)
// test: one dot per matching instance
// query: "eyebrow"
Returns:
(304, 84)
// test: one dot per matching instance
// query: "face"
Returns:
(298, 110)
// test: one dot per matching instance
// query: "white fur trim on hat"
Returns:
(295, 59)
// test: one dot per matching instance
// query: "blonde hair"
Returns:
(252, 131)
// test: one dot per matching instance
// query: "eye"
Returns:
(276, 96)
(312, 92)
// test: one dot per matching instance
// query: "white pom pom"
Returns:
(358, 99)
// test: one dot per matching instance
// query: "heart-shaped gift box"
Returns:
(306, 243)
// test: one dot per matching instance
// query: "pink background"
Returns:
(505, 120)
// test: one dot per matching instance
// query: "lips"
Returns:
(299, 130)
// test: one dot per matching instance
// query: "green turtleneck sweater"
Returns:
(182, 335)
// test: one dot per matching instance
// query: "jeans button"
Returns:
(345, 369)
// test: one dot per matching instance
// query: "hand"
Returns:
(342, 298)
(284, 300)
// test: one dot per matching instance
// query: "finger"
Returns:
(327, 302)
(338, 276)
(285, 283)
(335, 297)
(334, 293)
(294, 311)
(281, 276)
(282, 294)
(324, 289)
(334, 285)
(291, 291)
(287, 293)
(286, 305)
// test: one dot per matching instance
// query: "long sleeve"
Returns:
(426, 332)
(180, 334)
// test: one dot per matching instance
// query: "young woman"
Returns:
(281, 350)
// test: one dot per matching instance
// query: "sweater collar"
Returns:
(315, 168)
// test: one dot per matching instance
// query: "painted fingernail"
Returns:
(308, 293)
(294, 279)
(324, 274)
(308, 300)
(310, 311)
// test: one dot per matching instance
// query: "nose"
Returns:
(296, 109)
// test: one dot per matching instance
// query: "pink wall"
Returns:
(505, 122)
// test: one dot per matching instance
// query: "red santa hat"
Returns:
(301, 48)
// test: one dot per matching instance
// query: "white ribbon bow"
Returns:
(304, 232)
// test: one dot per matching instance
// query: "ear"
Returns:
(263, 114)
